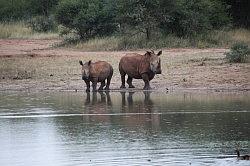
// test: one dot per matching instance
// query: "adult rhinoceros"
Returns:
(140, 67)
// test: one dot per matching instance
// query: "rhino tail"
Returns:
(121, 69)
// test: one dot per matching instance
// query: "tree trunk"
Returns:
(148, 33)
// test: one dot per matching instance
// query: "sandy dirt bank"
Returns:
(37, 65)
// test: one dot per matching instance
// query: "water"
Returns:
(67, 128)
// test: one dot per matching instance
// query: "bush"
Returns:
(191, 17)
(42, 24)
(88, 18)
(63, 31)
(182, 18)
(239, 53)
(16, 10)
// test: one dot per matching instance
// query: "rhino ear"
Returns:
(159, 53)
(89, 62)
(148, 53)
(81, 63)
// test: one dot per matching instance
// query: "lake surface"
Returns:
(136, 128)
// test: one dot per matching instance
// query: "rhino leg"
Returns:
(129, 81)
(102, 85)
(94, 83)
(88, 86)
(123, 81)
(146, 81)
(108, 82)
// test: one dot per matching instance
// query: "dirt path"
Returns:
(37, 65)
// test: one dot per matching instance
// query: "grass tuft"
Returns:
(214, 39)
(239, 53)
(100, 44)
(19, 30)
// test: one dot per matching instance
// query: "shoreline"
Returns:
(180, 90)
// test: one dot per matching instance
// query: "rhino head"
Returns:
(85, 69)
(154, 61)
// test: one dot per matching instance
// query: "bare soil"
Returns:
(36, 65)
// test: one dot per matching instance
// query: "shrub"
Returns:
(63, 31)
(239, 53)
(19, 30)
(191, 17)
(14, 29)
(88, 18)
(42, 24)
(16, 10)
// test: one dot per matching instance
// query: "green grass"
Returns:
(217, 38)
(19, 30)
(214, 39)
(115, 43)
(221, 38)
(100, 44)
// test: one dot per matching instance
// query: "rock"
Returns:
(201, 64)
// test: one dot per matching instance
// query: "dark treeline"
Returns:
(24, 9)
(90, 18)
(239, 10)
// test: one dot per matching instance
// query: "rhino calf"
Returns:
(140, 67)
(96, 72)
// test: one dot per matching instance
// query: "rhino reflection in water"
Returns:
(140, 67)
(131, 112)
(97, 106)
(143, 111)
(105, 99)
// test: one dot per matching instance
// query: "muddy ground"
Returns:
(35, 65)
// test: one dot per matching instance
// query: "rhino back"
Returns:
(134, 65)
(101, 70)
(129, 64)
